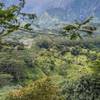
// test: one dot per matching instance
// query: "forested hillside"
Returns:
(44, 58)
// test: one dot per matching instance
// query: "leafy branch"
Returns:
(9, 21)
(75, 30)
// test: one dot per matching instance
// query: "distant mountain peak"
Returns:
(47, 21)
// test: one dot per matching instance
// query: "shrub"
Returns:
(96, 67)
(75, 51)
(44, 42)
(5, 79)
(43, 89)
(14, 67)
(86, 88)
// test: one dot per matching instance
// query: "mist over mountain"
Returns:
(76, 9)
(53, 12)
(65, 10)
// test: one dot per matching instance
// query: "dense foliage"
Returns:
(41, 90)
(50, 67)
(73, 70)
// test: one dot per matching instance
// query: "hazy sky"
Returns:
(40, 6)
(77, 6)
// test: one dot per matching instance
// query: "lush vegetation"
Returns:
(72, 70)
(50, 67)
